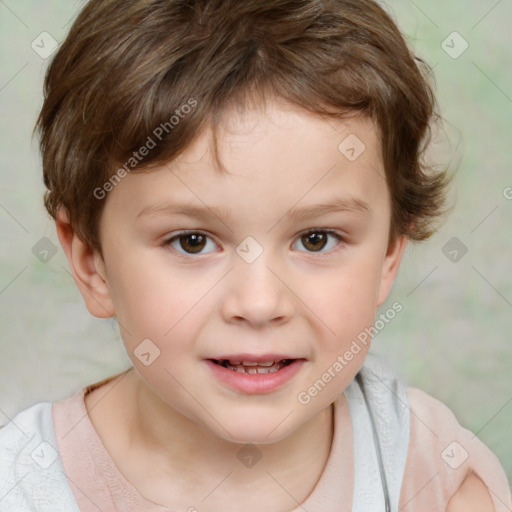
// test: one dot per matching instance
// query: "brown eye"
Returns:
(316, 240)
(190, 243)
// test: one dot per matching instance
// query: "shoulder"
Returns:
(448, 461)
(31, 471)
(23, 430)
(431, 419)
(471, 495)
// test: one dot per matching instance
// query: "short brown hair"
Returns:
(129, 66)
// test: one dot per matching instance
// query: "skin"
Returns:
(291, 300)
(472, 496)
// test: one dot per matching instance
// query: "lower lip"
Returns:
(257, 383)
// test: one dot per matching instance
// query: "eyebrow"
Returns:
(337, 205)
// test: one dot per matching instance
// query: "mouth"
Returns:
(255, 374)
(253, 367)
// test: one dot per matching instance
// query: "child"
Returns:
(236, 183)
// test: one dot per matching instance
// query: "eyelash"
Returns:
(179, 235)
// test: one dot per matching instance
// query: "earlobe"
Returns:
(87, 268)
(390, 267)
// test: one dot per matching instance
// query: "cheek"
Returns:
(159, 315)
(153, 302)
(346, 304)
(346, 301)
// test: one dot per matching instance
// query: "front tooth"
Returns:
(269, 363)
(249, 363)
(252, 370)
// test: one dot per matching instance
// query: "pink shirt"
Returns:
(436, 439)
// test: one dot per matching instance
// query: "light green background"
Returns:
(452, 338)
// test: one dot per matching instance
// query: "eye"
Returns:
(194, 242)
(191, 242)
(315, 240)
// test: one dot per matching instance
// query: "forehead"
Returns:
(276, 159)
(285, 131)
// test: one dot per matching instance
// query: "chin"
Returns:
(252, 429)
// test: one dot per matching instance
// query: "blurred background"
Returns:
(452, 338)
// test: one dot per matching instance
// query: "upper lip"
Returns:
(256, 358)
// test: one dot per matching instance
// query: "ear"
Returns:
(87, 268)
(390, 267)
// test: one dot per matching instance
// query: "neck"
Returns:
(179, 450)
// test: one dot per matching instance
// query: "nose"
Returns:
(257, 295)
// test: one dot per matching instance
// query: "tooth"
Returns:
(274, 369)
(249, 363)
(252, 370)
(240, 370)
(269, 363)
(263, 370)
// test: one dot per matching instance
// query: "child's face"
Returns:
(305, 297)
